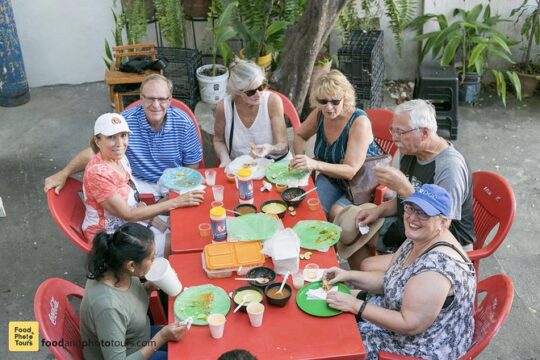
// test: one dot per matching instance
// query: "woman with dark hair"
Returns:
(114, 324)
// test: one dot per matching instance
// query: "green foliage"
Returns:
(261, 24)
(400, 13)
(349, 20)
(134, 19)
(530, 30)
(170, 16)
(221, 33)
(468, 42)
(117, 36)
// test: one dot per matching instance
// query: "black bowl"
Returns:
(288, 194)
(243, 288)
(244, 209)
(261, 271)
(280, 214)
(281, 300)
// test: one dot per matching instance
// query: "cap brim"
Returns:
(109, 133)
(426, 207)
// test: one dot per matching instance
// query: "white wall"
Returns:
(62, 41)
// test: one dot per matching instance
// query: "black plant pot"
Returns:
(469, 89)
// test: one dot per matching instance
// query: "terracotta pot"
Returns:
(196, 8)
(528, 84)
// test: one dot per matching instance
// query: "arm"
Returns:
(75, 165)
(118, 207)
(220, 146)
(423, 298)
(371, 281)
(394, 179)
(306, 131)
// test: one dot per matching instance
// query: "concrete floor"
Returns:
(38, 138)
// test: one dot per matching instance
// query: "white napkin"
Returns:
(318, 294)
(258, 169)
(363, 229)
(318, 278)
(266, 186)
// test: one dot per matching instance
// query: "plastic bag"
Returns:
(284, 249)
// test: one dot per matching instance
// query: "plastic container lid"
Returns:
(245, 172)
(233, 254)
(217, 211)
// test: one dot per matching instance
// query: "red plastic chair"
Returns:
(381, 121)
(289, 110)
(56, 317)
(182, 106)
(489, 316)
(493, 204)
(68, 210)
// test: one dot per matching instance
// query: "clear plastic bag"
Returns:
(284, 249)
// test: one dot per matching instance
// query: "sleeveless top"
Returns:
(260, 131)
(450, 335)
(335, 153)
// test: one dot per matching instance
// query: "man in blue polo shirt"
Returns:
(162, 137)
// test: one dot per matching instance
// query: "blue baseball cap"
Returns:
(432, 199)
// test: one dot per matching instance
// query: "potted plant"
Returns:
(213, 77)
(170, 16)
(261, 31)
(467, 42)
(528, 72)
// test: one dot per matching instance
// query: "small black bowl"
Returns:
(281, 300)
(252, 288)
(261, 271)
(288, 194)
(245, 209)
(280, 214)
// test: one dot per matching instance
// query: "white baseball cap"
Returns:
(110, 124)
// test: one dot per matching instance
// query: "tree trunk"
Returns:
(303, 41)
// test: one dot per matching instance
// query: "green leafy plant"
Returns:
(530, 31)
(468, 42)
(117, 35)
(170, 16)
(349, 19)
(134, 20)
(221, 33)
(400, 13)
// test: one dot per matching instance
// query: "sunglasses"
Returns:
(252, 92)
(137, 196)
(333, 102)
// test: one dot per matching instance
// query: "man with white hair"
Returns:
(426, 158)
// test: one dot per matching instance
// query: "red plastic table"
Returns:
(286, 333)
(184, 222)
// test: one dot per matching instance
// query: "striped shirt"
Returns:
(150, 152)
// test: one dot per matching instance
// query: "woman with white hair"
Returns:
(249, 120)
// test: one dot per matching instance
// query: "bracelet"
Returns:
(361, 310)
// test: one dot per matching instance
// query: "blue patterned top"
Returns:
(450, 335)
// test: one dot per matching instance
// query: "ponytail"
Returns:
(130, 242)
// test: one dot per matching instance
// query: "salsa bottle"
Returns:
(218, 223)
(245, 186)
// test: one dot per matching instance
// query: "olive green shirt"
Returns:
(114, 324)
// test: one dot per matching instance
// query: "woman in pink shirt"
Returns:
(110, 194)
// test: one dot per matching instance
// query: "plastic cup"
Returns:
(216, 204)
(231, 178)
(216, 323)
(313, 204)
(163, 275)
(312, 271)
(280, 188)
(218, 191)
(205, 229)
(298, 279)
(210, 176)
(256, 313)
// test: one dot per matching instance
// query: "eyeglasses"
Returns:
(150, 100)
(252, 92)
(420, 214)
(137, 196)
(333, 101)
(399, 132)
